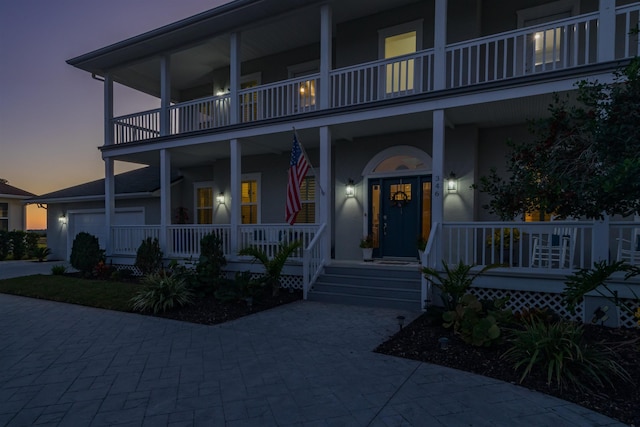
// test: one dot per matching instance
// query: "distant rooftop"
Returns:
(10, 191)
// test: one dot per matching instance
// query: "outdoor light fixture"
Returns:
(351, 189)
(452, 183)
(220, 198)
(400, 320)
(444, 343)
(63, 219)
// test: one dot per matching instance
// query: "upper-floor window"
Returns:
(547, 44)
(306, 96)
(250, 199)
(204, 202)
(4, 216)
(397, 41)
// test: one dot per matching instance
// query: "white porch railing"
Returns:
(558, 246)
(268, 237)
(384, 79)
(313, 260)
(279, 99)
(136, 127)
(627, 18)
(183, 241)
(205, 113)
(562, 44)
(126, 239)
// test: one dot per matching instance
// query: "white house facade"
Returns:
(401, 105)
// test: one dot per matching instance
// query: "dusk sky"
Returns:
(51, 114)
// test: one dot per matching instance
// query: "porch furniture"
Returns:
(554, 250)
(629, 249)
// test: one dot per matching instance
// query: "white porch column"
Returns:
(324, 179)
(165, 199)
(236, 197)
(109, 202)
(437, 187)
(326, 48)
(165, 95)
(606, 30)
(108, 109)
(234, 78)
(439, 44)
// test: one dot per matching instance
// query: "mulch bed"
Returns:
(419, 341)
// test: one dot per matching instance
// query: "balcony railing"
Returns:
(562, 44)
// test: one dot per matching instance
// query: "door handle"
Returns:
(384, 228)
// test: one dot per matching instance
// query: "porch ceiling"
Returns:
(483, 115)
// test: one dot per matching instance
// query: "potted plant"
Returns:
(366, 243)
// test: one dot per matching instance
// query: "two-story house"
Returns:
(401, 105)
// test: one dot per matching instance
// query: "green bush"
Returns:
(560, 351)
(5, 245)
(475, 323)
(162, 292)
(241, 288)
(209, 266)
(149, 256)
(273, 267)
(18, 244)
(31, 242)
(58, 270)
(454, 283)
(41, 253)
(85, 253)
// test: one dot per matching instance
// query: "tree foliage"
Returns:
(584, 159)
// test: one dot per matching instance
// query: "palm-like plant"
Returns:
(454, 283)
(41, 253)
(273, 267)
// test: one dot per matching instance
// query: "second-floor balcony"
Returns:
(559, 45)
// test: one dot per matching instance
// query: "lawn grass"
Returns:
(74, 290)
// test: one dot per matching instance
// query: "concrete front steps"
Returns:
(370, 284)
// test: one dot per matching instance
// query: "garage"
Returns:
(93, 222)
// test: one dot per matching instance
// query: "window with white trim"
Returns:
(4, 216)
(306, 88)
(250, 199)
(203, 192)
(397, 41)
(307, 213)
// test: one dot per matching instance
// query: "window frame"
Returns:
(4, 218)
(196, 210)
(309, 202)
(257, 178)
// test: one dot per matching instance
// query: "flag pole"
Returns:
(310, 164)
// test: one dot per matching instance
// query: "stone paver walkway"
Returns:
(304, 364)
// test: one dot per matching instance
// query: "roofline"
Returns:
(164, 30)
(15, 196)
(93, 198)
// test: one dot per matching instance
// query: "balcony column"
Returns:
(439, 45)
(108, 109)
(606, 30)
(165, 95)
(437, 187)
(325, 184)
(165, 200)
(109, 202)
(236, 196)
(326, 49)
(234, 78)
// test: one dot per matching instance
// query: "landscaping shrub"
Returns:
(149, 256)
(454, 283)
(210, 264)
(58, 270)
(31, 243)
(162, 293)
(273, 267)
(5, 244)
(18, 244)
(103, 270)
(41, 253)
(85, 253)
(475, 323)
(242, 288)
(560, 351)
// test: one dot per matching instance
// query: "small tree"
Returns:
(18, 244)
(210, 264)
(584, 159)
(149, 256)
(273, 266)
(85, 252)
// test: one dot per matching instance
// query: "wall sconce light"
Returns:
(350, 191)
(63, 219)
(452, 183)
(220, 198)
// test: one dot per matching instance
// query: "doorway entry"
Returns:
(400, 214)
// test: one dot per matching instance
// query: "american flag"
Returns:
(298, 168)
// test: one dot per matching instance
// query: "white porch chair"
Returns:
(629, 249)
(554, 250)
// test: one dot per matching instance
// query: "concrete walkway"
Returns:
(9, 269)
(303, 364)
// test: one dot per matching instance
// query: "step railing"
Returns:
(313, 260)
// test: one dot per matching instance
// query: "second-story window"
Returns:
(306, 96)
(398, 41)
(204, 202)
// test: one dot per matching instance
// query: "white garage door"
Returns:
(94, 223)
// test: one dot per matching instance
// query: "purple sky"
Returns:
(51, 115)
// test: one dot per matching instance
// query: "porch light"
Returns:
(220, 198)
(351, 189)
(452, 183)
(63, 219)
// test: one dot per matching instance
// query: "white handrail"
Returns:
(313, 261)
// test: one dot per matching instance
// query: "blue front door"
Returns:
(397, 221)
